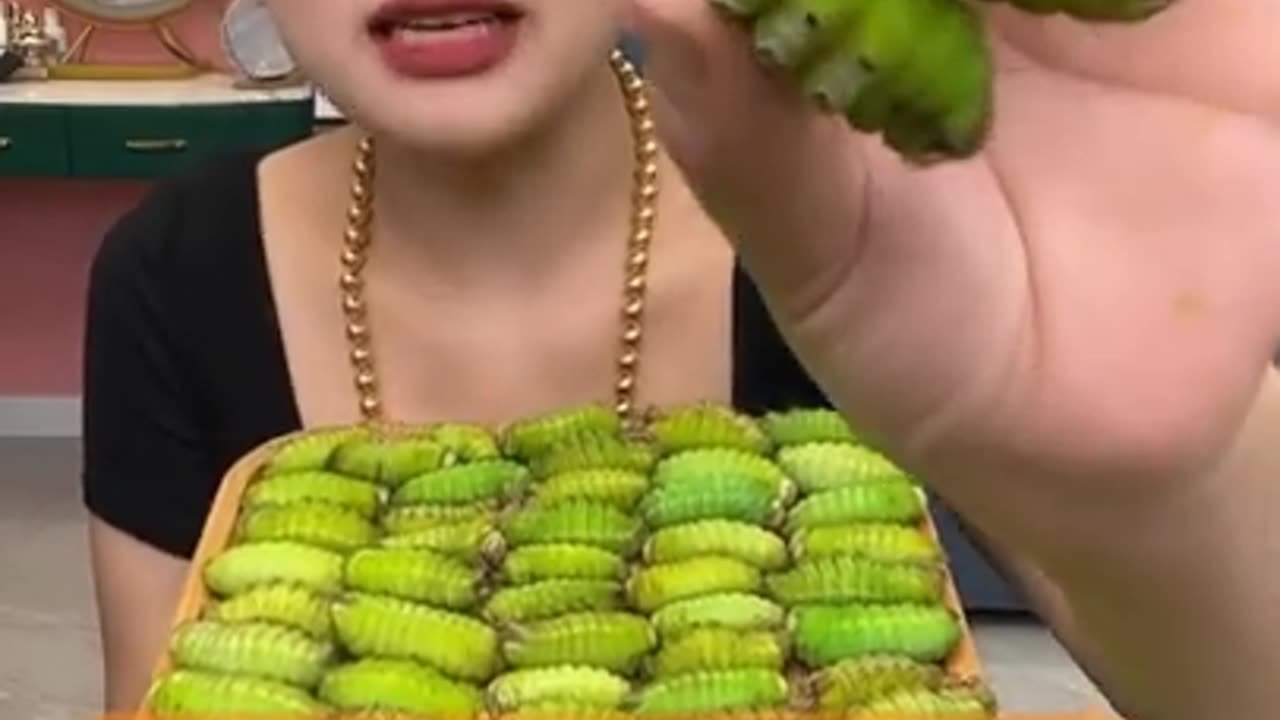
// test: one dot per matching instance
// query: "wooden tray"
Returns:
(220, 525)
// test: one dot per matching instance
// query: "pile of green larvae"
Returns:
(711, 561)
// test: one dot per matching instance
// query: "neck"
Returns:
(520, 206)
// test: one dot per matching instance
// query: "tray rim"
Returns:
(219, 525)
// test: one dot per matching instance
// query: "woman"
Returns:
(1069, 335)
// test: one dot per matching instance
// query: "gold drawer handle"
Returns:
(5, 143)
(156, 145)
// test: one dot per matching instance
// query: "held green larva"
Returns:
(917, 73)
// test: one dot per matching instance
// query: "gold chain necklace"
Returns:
(358, 236)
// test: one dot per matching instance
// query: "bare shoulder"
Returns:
(307, 165)
(303, 194)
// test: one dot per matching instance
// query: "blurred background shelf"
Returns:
(141, 129)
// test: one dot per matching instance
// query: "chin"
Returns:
(474, 117)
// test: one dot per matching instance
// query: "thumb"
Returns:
(681, 38)
(712, 99)
(677, 70)
(763, 160)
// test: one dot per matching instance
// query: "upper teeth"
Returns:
(437, 22)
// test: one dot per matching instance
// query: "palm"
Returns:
(1096, 287)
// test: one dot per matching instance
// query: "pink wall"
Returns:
(49, 231)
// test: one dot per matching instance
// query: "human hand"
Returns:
(1093, 297)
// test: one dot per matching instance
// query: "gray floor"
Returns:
(49, 666)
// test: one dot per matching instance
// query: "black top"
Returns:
(184, 364)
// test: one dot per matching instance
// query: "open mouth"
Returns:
(407, 20)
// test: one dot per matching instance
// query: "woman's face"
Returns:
(449, 74)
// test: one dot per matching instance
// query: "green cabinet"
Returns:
(73, 137)
(142, 143)
(33, 141)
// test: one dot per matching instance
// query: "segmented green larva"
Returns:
(406, 519)
(464, 484)
(308, 452)
(389, 459)
(800, 425)
(414, 574)
(844, 579)
(1110, 11)
(816, 467)
(611, 640)
(719, 648)
(580, 522)
(717, 497)
(594, 451)
(850, 684)
(826, 634)
(397, 686)
(314, 486)
(738, 611)
(244, 567)
(209, 694)
(954, 701)
(467, 540)
(548, 561)
(886, 501)
(741, 541)
(536, 435)
(788, 33)
(619, 488)
(920, 117)
(465, 442)
(695, 466)
(549, 598)
(284, 604)
(878, 541)
(255, 649)
(918, 71)
(538, 688)
(925, 115)
(653, 587)
(457, 645)
(740, 690)
(323, 525)
(704, 425)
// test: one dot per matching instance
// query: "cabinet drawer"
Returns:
(33, 141)
(150, 142)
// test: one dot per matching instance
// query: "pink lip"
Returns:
(460, 51)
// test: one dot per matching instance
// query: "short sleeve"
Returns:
(146, 468)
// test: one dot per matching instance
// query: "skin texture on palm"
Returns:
(1068, 334)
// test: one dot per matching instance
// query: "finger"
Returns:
(674, 37)
(716, 99)
(740, 131)
(674, 67)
